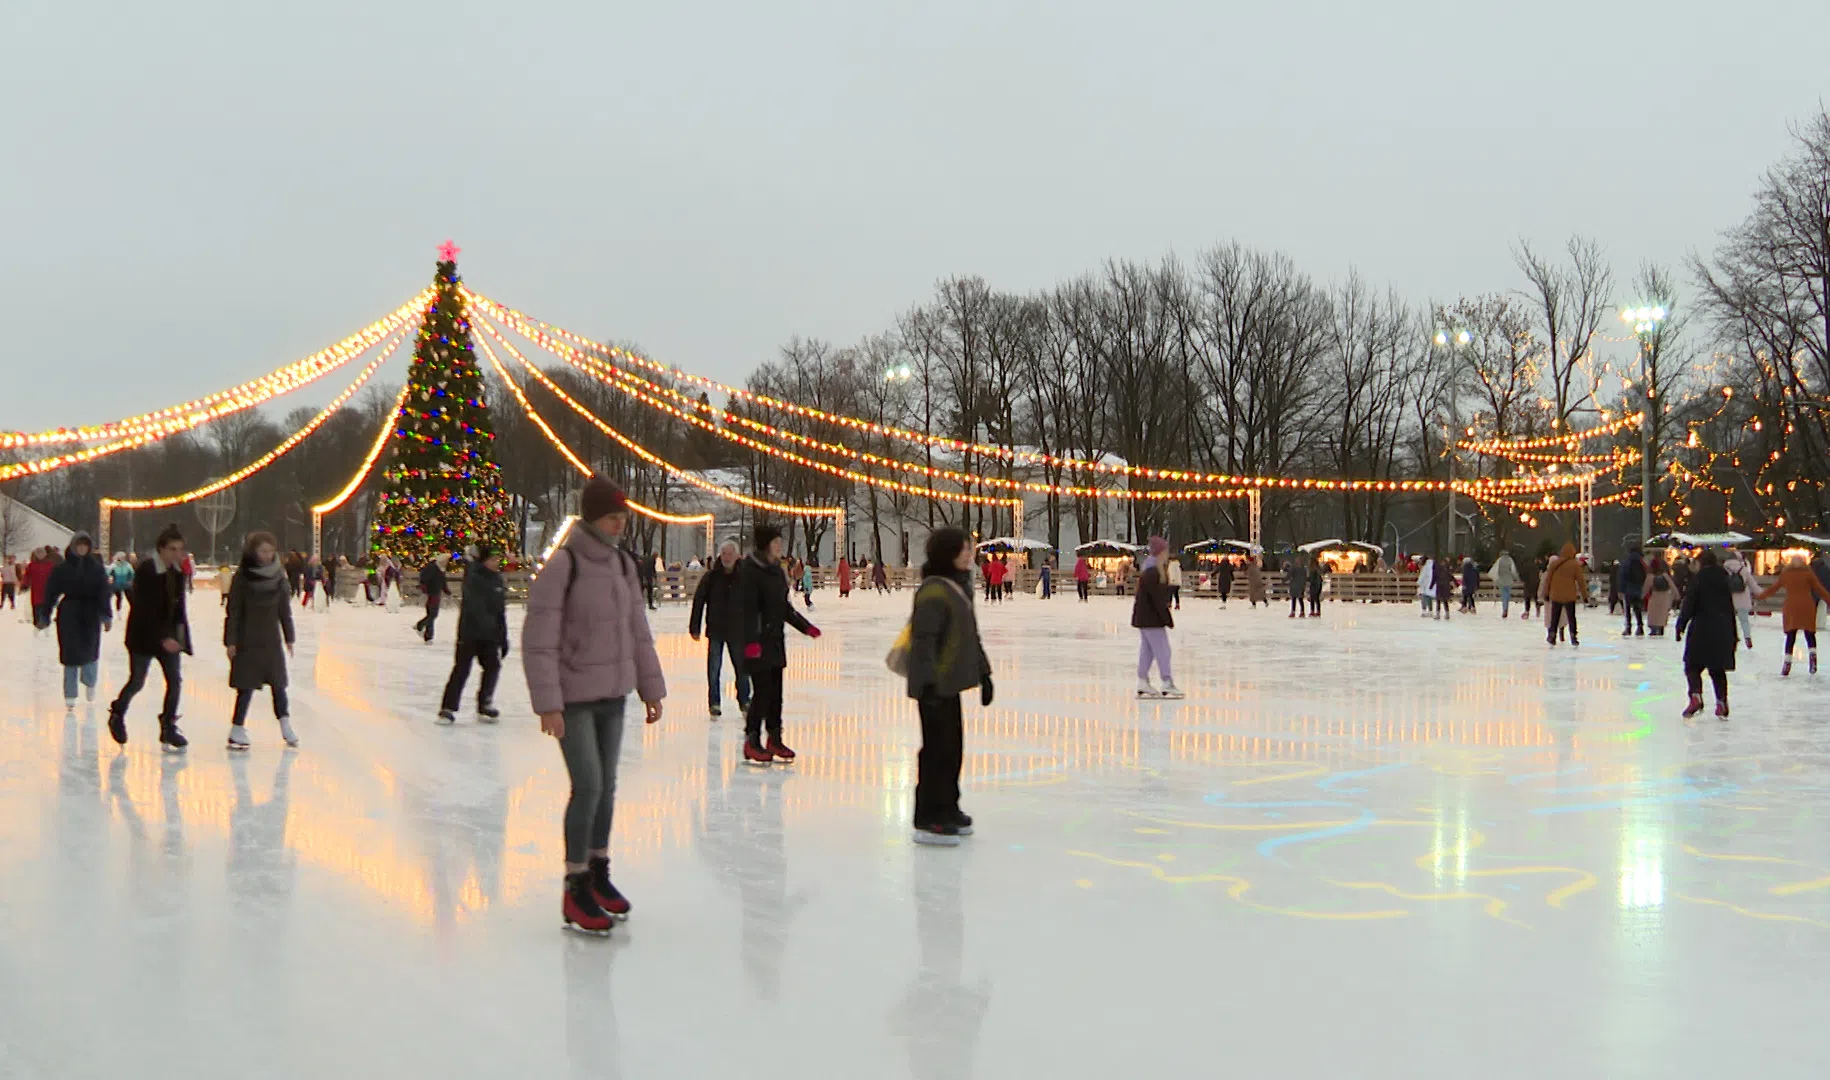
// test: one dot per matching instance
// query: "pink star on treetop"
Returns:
(448, 252)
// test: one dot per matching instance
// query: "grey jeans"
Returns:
(592, 743)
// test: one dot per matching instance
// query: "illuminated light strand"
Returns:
(182, 417)
(1620, 457)
(574, 460)
(1570, 439)
(661, 463)
(270, 456)
(1546, 505)
(524, 325)
(368, 463)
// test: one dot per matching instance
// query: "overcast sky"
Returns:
(194, 193)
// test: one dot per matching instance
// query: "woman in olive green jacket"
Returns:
(946, 659)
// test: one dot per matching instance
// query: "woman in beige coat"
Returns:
(1660, 595)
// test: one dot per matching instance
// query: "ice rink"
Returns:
(1366, 845)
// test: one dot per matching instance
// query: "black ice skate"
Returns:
(170, 738)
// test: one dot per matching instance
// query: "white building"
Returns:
(23, 528)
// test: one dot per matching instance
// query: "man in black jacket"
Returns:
(763, 615)
(1632, 583)
(713, 602)
(158, 628)
(482, 635)
(436, 585)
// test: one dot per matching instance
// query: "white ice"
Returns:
(1367, 845)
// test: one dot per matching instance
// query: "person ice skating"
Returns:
(435, 585)
(1803, 591)
(1083, 577)
(844, 571)
(1742, 586)
(714, 602)
(1045, 581)
(313, 581)
(1531, 576)
(1174, 566)
(1223, 580)
(1707, 615)
(646, 569)
(158, 630)
(9, 582)
(36, 579)
(994, 579)
(1255, 591)
(1470, 583)
(585, 647)
(295, 573)
(764, 612)
(1657, 595)
(258, 636)
(880, 576)
(225, 576)
(120, 579)
(946, 659)
(78, 592)
(1505, 574)
(1632, 583)
(482, 635)
(1296, 581)
(1442, 574)
(1318, 576)
(1426, 587)
(1565, 585)
(1150, 615)
(1682, 573)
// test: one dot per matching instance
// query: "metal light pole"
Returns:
(1458, 339)
(1645, 323)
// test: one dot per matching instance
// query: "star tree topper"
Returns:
(448, 252)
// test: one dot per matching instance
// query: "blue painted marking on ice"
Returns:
(1643, 687)
(1367, 817)
(1679, 781)
(1327, 783)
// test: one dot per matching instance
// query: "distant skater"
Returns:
(1565, 584)
(1799, 616)
(1254, 582)
(1151, 616)
(1708, 616)
(1296, 582)
(1083, 577)
(482, 636)
(257, 634)
(158, 631)
(79, 591)
(1223, 580)
(764, 612)
(435, 584)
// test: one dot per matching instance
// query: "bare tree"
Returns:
(1568, 302)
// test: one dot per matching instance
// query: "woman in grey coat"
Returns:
(257, 632)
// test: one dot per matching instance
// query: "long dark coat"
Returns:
(1708, 617)
(483, 608)
(258, 625)
(158, 613)
(764, 613)
(80, 588)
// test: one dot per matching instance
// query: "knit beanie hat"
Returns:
(601, 497)
(1158, 545)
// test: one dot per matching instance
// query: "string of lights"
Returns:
(1569, 439)
(270, 456)
(573, 459)
(1619, 497)
(532, 329)
(177, 418)
(374, 454)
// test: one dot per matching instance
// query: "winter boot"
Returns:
(291, 737)
(614, 903)
(238, 737)
(170, 738)
(581, 910)
(1695, 706)
(754, 754)
(779, 750)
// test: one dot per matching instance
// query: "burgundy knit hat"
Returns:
(601, 497)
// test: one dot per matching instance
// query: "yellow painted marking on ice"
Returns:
(1727, 857)
(1085, 883)
(1165, 857)
(1800, 886)
(1265, 827)
(1739, 910)
(1636, 667)
(1237, 887)
(1494, 906)
(1301, 774)
(1585, 881)
(1152, 832)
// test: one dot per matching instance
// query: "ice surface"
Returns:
(1367, 845)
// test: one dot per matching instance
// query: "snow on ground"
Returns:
(1367, 845)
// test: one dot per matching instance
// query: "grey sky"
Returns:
(198, 192)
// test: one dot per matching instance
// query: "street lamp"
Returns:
(1645, 322)
(902, 373)
(1457, 338)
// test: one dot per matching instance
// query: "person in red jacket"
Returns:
(37, 578)
(994, 580)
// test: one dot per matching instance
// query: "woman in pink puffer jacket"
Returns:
(585, 647)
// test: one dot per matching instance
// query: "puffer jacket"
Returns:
(945, 654)
(258, 625)
(586, 637)
(764, 613)
(483, 609)
(1566, 582)
(1151, 608)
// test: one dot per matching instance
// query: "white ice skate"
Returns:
(286, 732)
(70, 704)
(238, 737)
(1146, 692)
(89, 692)
(1170, 690)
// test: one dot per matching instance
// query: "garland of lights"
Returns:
(177, 418)
(368, 463)
(660, 463)
(270, 456)
(1503, 448)
(573, 459)
(1607, 500)
(527, 327)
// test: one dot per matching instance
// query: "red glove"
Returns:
(752, 651)
(813, 631)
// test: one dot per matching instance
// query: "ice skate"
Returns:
(607, 895)
(69, 704)
(447, 716)
(1722, 710)
(1785, 669)
(754, 754)
(89, 693)
(117, 725)
(286, 733)
(962, 823)
(1170, 690)
(488, 714)
(1695, 706)
(716, 712)
(940, 834)
(1813, 668)
(779, 750)
(170, 738)
(1147, 692)
(580, 909)
(238, 737)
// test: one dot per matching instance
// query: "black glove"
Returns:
(504, 648)
(985, 691)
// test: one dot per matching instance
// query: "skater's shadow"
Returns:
(740, 835)
(940, 1016)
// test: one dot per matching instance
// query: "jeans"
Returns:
(715, 650)
(1635, 606)
(120, 595)
(1558, 609)
(1718, 679)
(1505, 601)
(9, 597)
(243, 698)
(486, 653)
(1791, 639)
(1746, 619)
(1153, 644)
(1429, 603)
(138, 663)
(592, 743)
(765, 711)
(937, 765)
(71, 673)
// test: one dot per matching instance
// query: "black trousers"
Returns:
(244, 698)
(1557, 611)
(425, 625)
(486, 653)
(765, 711)
(138, 664)
(9, 597)
(1717, 679)
(1175, 596)
(1315, 604)
(1635, 606)
(1792, 639)
(1081, 587)
(937, 766)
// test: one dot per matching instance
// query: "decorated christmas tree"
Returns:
(442, 489)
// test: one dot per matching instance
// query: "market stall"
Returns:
(1210, 554)
(1343, 556)
(1013, 545)
(1112, 561)
(1769, 555)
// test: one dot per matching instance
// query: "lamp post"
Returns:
(1458, 339)
(1645, 322)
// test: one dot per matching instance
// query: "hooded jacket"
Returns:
(80, 588)
(764, 613)
(587, 637)
(1150, 609)
(1707, 616)
(1566, 582)
(258, 625)
(1505, 572)
(158, 613)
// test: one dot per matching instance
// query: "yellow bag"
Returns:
(898, 659)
